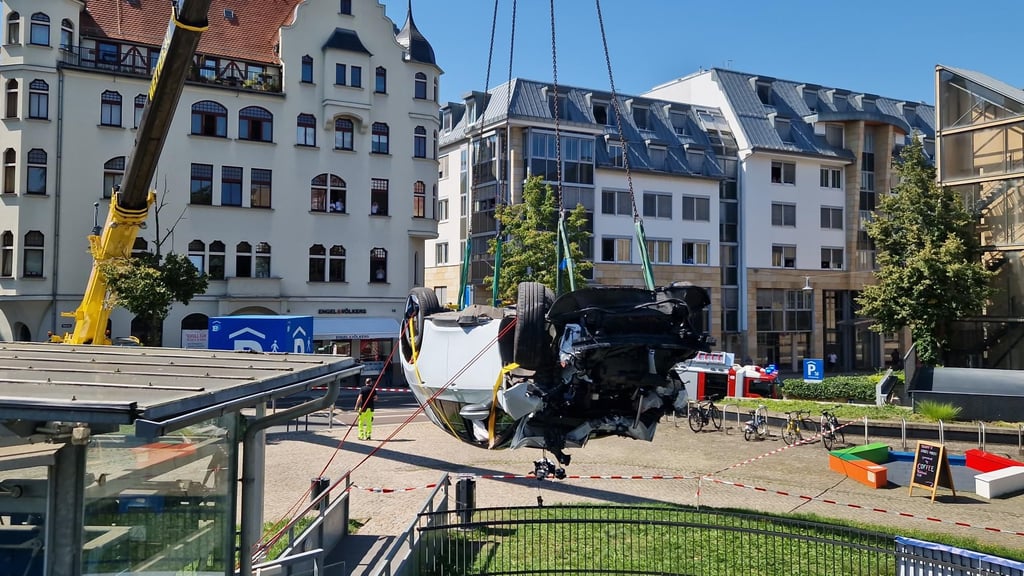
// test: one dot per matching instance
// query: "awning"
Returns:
(354, 328)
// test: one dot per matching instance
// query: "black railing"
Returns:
(643, 540)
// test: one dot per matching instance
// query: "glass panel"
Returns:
(23, 521)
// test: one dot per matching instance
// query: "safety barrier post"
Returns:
(1020, 439)
(866, 441)
(942, 432)
(981, 435)
(903, 432)
(725, 416)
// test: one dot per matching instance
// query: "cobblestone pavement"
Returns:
(420, 453)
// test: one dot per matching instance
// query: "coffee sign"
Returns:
(931, 468)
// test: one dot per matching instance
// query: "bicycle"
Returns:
(704, 412)
(831, 430)
(796, 423)
(757, 426)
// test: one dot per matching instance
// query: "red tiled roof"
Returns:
(250, 36)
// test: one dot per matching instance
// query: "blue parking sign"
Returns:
(814, 370)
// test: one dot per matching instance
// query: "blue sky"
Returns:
(887, 48)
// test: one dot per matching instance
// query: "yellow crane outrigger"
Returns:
(130, 202)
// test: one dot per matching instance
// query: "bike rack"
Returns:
(942, 432)
(1020, 439)
(981, 435)
(903, 432)
(866, 441)
(725, 416)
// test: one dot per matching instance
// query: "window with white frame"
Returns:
(419, 199)
(113, 171)
(10, 171)
(616, 249)
(657, 205)
(39, 32)
(39, 99)
(696, 252)
(616, 202)
(659, 251)
(419, 142)
(11, 108)
(696, 208)
(36, 171)
(13, 29)
(442, 167)
(441, 253)
(379, 138)
(831, 177)
(255, 124)
(344, 131)
(442, 210)
(615, 156)
(230, 186)
(420, 86)
(307, 69)
(197, 255)
(831, 218)
(442, 294)
(7, 254)
(783, 214)
(67, 34)
(831, 258)
(783, 172)
(783, 256)
(305, 130)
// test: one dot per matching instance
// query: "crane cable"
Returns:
(504, 198)
(637, 220)
(563, 252)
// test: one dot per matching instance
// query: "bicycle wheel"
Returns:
(716, 417)
(748, 433)
(807, 428)
(827, 437)
(789, 434)
(837, 435)
(762, 429)
(696, 420)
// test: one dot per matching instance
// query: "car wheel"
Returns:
(530, 349)
(422, 303)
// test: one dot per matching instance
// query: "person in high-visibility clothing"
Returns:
(364, 404)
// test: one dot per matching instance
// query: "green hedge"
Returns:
(852, 388)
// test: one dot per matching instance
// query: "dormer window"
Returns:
(658, 157)
(678, 122)
(640, 117)
(782, 126)
(764, 92)
(446, 120)
(834, 135)
(810, 98)
(470, 112)
(604, 113)
(695, 158)
(562, 108)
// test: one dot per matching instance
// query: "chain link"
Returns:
(618, 112)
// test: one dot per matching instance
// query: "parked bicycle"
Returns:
(795, 427)
(705, 412)
(831, 430)
(757, 426)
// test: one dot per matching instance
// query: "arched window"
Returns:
(38, 99)
(113, 171)
(40, 31)
(343, 134)
(434, 145)
(7, 254)
(67, 34)
(336, 264)
(435, 89)
(32, 255)
(419, 142)
(215, 270)
(381, 82)
(263, 260)
(140, 107)
(209, 119)
(379, 188)
(317, 263)
(194, 330)
(307, 69)
(110, 108)
(305, 130)
(197, 255)
(10, 171)
(13, 29)
(36, 171)
(328, 194)
(255, 124)
(379, 142)
(420, 91)
(379, 265)
(419, 200)
(11, 108)
(243, 260)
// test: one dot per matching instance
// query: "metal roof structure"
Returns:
(988, 82)
(154, 388)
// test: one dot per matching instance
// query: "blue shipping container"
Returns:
(293, 334)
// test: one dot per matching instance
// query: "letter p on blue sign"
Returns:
(814, 370)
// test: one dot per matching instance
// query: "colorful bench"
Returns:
(987, 462)
(877, 452)
(860, 469)
(999, 482)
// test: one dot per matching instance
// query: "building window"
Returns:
(113, 172)
(262, 260)
(615, 156)
(140, 107)
(831, 258)
(231, 186)
(317, 263)
(831, 178)
(201, 188)
(255, 124)
(831, 218)
(13, 29)
(11, 108)
(197, 255)
(216, 264)
(696, 208)
(784, 311)
(10, 171)
(336, 264)
(783, 256)
(243, 260)
(110, 108)
(260, 188)
(38, 99)
(784, 129)
(356, 77)
(307, 69)
(327, 194)
(305, 130)
(419, 200)
(442, 168)
(420, 86)
(346, 7)
(834, 135)
(783, 214)
(657, 205)
(32, 254)
(209, 119)
(659, 251)
(867, 168)
(36, 171)
(433, 143)
(340, 73)
(419, 142)
(343, 134)
(379, 196)
(378, 265)
(108, 55)
(7, 254)
(441, 253)
(381, 80)
(67, 34)
(616, 202)
(616, 249)
(695, 252)
(640, 117)
(442, 210)
(40, 32)
(783, 172)
(379, 143)
(435, 89)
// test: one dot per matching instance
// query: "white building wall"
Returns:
(701, 90)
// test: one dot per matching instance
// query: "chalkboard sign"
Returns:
(931, 468)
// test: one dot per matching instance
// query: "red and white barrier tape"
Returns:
(778, 450)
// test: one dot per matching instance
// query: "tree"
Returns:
(531, 229)
(930, 272)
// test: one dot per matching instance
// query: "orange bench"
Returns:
(867, 473)
(987, 462)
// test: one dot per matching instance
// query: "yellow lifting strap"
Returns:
(419, 379)
(494, 402)
(184, 26)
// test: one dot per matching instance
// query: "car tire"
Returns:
(425, 303)
(530, 348)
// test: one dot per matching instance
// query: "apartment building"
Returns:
(681, 160)
(812, 162)
(980, 153)
(299, 175)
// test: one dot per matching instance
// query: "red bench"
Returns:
(987, 462)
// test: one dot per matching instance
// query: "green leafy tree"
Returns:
(148, 285)
(930, 272)
(531, 229)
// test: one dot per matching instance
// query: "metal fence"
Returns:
(643, 540)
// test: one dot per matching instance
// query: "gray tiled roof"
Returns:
(804, 104)
(345, 39)
(530, 102)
